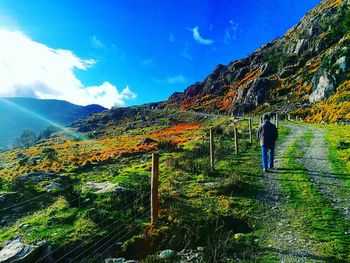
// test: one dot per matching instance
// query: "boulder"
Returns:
(51, 186)
(115, 260)
(16, 251)
(104, 187)
(167, 254)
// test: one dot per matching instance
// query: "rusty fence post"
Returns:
(154, 188)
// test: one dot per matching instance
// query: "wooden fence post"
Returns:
(236, 139)
(212, 150)
(250, 130)
(276, 120)
(154, 188)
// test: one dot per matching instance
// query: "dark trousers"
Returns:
(268, 153)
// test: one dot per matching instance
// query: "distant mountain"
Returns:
(17, 114)
(306, 72)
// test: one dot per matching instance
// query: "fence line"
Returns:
(154, 204)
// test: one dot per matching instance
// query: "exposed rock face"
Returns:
(325, 88)
(16, 251)
(306, 65)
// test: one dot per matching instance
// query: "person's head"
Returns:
(267, 117)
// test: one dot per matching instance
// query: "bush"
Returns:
(167, 144)
(49, 153)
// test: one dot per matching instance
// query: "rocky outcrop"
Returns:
(17, 251)
(325, 87)
(306, 65)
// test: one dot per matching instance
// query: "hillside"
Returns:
(17, 114)
(171, 182)
(305, 72)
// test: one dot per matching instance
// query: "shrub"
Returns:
(49, 153)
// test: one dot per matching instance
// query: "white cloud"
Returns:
(96, 43)
(177, 79)
(199, 38)
(231, 32)
(149, 62)
(29, 68)
(171, 38)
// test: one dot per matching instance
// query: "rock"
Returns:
(132, 261)
(147, 141)
(2, 198)
(299, 46)
(342, 63)
(167, 254)
(52, 186)
(16, 251)
(115, 260)
(265, 70)
(211, 185)
(39, 176)
(104, 187)
(324, 89)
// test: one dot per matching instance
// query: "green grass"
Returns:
(338, 139)
(199, 207)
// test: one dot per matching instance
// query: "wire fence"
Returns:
(131, 208)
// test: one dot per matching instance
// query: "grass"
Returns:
(199, 207)
(338, 139)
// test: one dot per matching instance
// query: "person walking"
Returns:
(267, 134)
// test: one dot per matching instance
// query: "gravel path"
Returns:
(315, 160)
(283, 238)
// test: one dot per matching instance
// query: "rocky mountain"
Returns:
(305, 72)
(17, 114)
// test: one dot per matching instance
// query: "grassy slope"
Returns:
(199, 207)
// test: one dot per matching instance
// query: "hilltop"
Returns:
(305, 73)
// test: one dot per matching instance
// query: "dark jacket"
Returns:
(267, 134)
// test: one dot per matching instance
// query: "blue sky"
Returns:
(153, 48)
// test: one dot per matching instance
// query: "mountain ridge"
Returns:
(303, 72)
(22, 113)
